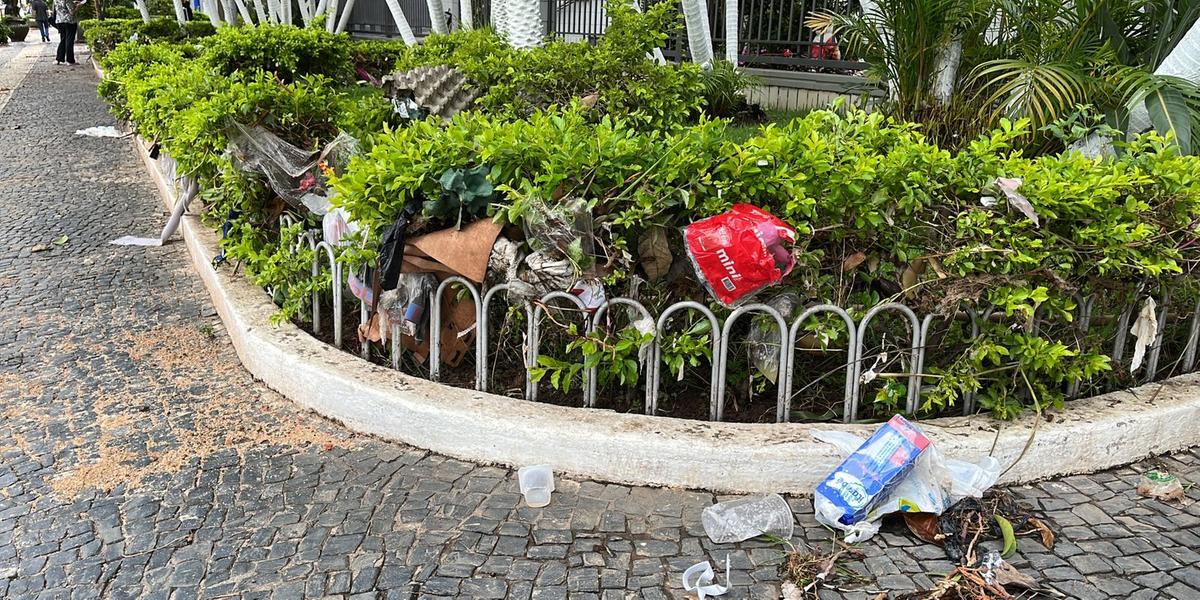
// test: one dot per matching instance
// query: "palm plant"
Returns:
(909, 45)
(1035, 59)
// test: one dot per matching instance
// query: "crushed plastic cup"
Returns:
(537, 482)
(745, 518)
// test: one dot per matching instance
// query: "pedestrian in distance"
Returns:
(41, 13)
(187, 10)
(65, 22)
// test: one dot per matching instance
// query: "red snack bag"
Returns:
(740, 252)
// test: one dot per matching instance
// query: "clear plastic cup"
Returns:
(745, 518)
(537, 482)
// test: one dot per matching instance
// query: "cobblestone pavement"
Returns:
(138, 460)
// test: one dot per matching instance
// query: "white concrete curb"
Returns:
(1093, 434)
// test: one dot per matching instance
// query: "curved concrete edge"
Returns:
(1095, 434)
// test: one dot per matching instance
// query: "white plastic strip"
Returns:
(699, 578)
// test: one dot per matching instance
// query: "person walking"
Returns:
(41, 14)
(64, 21)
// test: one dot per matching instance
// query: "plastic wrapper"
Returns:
(407, 305)
(763, 338)
(1160, 485)
(739, 252)
(564, 230)
(887, 477)
(360, 285)
(295, 174)
(337, 227)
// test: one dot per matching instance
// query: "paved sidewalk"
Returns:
(138, 460)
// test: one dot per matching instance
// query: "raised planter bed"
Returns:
(1092, 434)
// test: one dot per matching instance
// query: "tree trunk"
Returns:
(331, 13)
(406, 32)
(947, 71)
(695, 14)
(731, 31)
(345, 20)
(437, 16)
(466, 15)
(210, 10)
(500, 17)
(525, 26)
(141, 6)
(180, 16)
(244, 12)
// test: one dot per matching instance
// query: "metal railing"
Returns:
(772, 33)
(915, 347)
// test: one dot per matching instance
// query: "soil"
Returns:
(156, 430)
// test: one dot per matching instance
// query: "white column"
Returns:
(731, 31)
(695, 15)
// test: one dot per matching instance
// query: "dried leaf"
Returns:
(39, 248)
(1016, 199)
(589, 100)
(654, 253)
(911, 275)
(1044, 530)
(1145, 328)
(925, 526)
(853, 261)
(937, 268)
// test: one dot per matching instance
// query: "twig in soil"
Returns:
(810, 571)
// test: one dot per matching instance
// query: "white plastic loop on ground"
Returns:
(699, 578)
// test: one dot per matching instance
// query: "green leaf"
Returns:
(1169, 112)
(1010, 538)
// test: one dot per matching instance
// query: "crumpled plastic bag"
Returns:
(739, 252)
(935, 484)
(293, 173)
(562, 230)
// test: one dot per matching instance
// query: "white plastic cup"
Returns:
(745, 518)
(537, 482)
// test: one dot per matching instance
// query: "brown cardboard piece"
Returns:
(452, 251)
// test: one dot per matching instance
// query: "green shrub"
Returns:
(162, 8)
(122, 12)
(858, 183)
(103, 36)
(378, 57)
(199, 27)
(882, 212)
(516, 83)
(288, 52)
